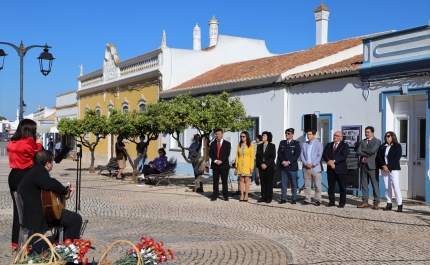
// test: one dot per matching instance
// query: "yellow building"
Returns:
(125, 86)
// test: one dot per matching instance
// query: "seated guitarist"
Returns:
(37, 179)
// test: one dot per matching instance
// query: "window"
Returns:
(174, 143)
(323, 131)
(125, 109)
(402, 135)
(98, 111)
(255, 130)
(142, 107)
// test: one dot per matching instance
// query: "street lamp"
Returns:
(21, 50)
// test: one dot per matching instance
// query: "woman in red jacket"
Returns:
(21, 149)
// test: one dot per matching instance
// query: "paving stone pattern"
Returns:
(203, 232)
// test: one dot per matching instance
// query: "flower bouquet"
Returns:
(58, 254)
(146, 252)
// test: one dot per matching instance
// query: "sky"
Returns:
(79, 30)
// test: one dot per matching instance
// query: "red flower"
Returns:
(171, 254)
(85, 262)
(67, 242)
(130, 251)
(44, 254)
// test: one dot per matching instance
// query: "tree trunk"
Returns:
(92, 169)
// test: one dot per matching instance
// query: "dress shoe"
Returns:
(269, 201)
(293, 202)
(330, 205)
(317, 203)
(226, 199)
(213, 199)
(282, 201)
(245, 200)
(306, 203)
(363, 205)
(341, 206)
(388, 207)
(261, 200)
(399, 208)
(375, 207)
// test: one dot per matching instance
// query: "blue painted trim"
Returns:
(396, 33)
(366, 45)
(408, 40)
(411, 91)
(329, 117)
(394, 62)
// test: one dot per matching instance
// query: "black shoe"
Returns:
(330, 205)
(306, 203)
(282, 201)
(269, 201)
(399, 208)
(213, 199)
(317, 203)
(226, 199)
(261, 200)
(120, 179)
(245, 200)
(388, 207)
(237, 193)
(340, 206)
(293, 202)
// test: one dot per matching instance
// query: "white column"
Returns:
(213, 31)
(197, 38)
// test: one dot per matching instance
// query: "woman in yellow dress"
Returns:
(244, 164)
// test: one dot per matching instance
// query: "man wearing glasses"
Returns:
(288, 153)
(335, 154)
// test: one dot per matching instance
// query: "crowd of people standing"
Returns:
(373, 156)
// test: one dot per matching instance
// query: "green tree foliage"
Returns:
(2, 118)
(205, 114)
(92, 123)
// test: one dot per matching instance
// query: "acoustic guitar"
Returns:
(52, 204)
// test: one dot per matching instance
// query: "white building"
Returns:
(381, 80)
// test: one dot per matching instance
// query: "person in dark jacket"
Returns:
(37, 179)
(389, 155)
(265, 156)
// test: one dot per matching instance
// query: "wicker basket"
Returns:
(103, 260)
(55, 258)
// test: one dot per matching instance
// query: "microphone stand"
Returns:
(78, 177)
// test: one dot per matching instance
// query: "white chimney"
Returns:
(213, 31)
(197, 38)
(321, 18)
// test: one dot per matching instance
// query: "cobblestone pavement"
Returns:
(203, 232)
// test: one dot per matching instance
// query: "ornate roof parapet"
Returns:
(197, 38)
(213, 31)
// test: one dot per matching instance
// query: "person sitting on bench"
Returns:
(154, 167)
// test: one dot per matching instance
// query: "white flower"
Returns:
(76, 262)
(30, 261)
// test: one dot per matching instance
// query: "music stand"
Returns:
(78, 177)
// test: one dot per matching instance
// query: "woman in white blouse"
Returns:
(389, 155)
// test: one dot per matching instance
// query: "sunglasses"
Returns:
(387, 136)
(288, 133)
(338, 135)
(243, 136)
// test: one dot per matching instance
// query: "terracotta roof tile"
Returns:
(266, 67)
(321, 7)
(208, 48)
(347, 65)
(51, 117)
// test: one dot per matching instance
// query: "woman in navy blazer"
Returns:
(266, 154)
(389, 155)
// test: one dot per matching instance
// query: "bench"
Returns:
(111, 167)
(164, 175)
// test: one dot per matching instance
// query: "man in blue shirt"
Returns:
(311, 158)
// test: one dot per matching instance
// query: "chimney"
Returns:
(321, 18)
(213, 31)
(197, 38)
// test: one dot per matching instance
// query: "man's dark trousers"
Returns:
(224, 176)
(372, 174)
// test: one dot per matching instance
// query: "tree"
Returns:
(2, 118)
(205, 114)
(138, 125)
(92, 123)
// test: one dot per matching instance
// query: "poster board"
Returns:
(352, 136)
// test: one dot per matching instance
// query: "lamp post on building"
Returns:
(45, 57)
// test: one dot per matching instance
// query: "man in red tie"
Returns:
(219, 153)
(335, 154)
(367, 151)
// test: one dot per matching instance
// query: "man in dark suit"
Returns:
(367, 151)
(335, 154)
(288, 154)
(37, 179)
(219, 153)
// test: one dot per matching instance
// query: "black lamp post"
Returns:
(21, 50)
